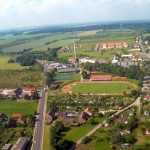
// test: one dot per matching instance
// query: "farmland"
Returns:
(101, 88)
(11, 107)
(4, 65)
(20, 78)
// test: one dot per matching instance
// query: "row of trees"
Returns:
(133, 72)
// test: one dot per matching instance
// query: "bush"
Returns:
(86, 140)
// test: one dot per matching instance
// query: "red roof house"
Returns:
(88, 111)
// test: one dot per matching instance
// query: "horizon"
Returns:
(70, 25)
(33, 13)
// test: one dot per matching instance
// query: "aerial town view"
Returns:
(74, 75)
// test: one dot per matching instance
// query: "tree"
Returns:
(134, 93)
(116, 138)
(85, 140)
(130, 139)
(84, 74)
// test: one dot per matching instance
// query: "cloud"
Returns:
(40, 12)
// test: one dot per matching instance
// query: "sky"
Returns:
(26, 13)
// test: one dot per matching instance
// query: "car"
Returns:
(35, 142)
(45, 89)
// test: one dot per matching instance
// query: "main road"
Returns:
(38, 131)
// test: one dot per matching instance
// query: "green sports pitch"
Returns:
(102, 88)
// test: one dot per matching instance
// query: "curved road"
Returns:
(136, 102)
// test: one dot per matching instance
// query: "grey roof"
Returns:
(20, 144)
(67, 70)
(6, 147)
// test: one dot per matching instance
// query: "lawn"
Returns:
(4, 65)
(46, 141)
(100, 88)
(12, 107)
(76, 133)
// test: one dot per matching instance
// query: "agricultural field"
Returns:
(13, 107)
(20, 78)
(4, 65)
(101, 88)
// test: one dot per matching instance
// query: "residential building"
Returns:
(136, 58)
(50, 116)
(83, 118)
(88, 111)
(74, 70)
(87, 59)
(7, 147)
(21, 144)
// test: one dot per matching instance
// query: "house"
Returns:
(127, 63)
(3, 117)
(73, 60)
(136, 58)
(62, 114)
(21, 120)
(147, 132)
(97, 47)
(147, 97)
(88, 111)
(7, 147)
(127, 56)
(83, 118)
(87, 59)
(101, 78)
(29, 90)
(50, 116)
(114, 61)
(21, 144)
(136, 45)
(125, 45)
(110, 46)
(19, 117)
(6, 92)
(70, 122)
(118, 45)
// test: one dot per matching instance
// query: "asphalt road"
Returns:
(38, 135)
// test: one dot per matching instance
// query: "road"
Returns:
(38, 134)
(135, 103)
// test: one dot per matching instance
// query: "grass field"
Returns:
(10, 107)
(78, 132)
(46, 142)
(99, 88)
(4, 65)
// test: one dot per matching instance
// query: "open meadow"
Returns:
(13, 107)
(4, 65)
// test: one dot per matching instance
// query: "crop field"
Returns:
(19, 43)
(100, 88)
(10, 107)
(20, 78)
(4, 65)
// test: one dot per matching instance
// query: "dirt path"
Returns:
(68, 88)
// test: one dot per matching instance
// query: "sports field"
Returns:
(101, 88)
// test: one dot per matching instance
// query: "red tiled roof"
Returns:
(16, 116)
(32, 89)
(146, 97)
(100, 76)
(88, 110)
